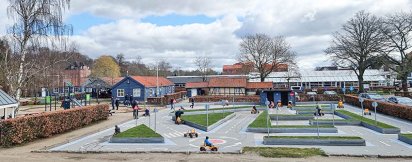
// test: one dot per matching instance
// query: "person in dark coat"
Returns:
(131, 99)
(117, 103)
(113, 102)
(192, 100)
(171, 104)
(126, 100)
(135, 110)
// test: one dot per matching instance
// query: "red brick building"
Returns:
(245, 68)
(76, 74)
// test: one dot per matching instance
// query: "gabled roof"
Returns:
(6, 99)
(151, 81)
(111, 81)
(227, 82)
(196, 85)
(185, 79)
(259, 85)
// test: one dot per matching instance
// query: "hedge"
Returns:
(28, 128)
(318, 97)
(165, 100)
(253, 98)
(396, 110)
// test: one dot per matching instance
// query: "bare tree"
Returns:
(265, 53)
(203, 64)
(37, 23)
(358, 45)
(292, 73)
(397, 28)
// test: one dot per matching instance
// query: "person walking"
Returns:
(113, 102)
(126, 98)
(117, 103)
(135, 107)
(131, 99)
(192, 100)
(171, 104)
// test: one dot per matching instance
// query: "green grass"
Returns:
(201, 118)
(281, 152)
(260, 122)
(409, 135)
(366, 120)
(315, 137)
(140, 131)
(226, 108)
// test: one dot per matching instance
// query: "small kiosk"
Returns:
(275, 95)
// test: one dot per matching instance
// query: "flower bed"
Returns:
(28, 128)
(396, 110)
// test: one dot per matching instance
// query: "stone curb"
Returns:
(372, 127)
(210, 127)
(404, 139)
(373, 156)
(292, 130)
(323, 142)
(337, 122)
(291, 117)
(137, 140)
(138, 152)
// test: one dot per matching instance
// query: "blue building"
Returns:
(142, 87)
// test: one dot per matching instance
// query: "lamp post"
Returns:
(361, 101)
(267, 114)
(375, 104)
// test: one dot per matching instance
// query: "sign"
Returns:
(87, 97)
(351, 88)
(343, 89)
(366, 86)
(207, 107)
(69, 84)
(48, 99)
(374, 104)
(361, 99)
(155, 110)
(267, 103)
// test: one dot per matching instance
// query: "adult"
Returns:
(126, 98)
(131, 99)
(172, 104)
(178, 115)
(192, 100)
(113, 102)
(117, 103)
(135, 107)
(318, 109)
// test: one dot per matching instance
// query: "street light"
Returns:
(267, 114)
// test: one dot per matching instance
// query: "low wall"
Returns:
(210, 127)
(405, 139)
(137, 140)
(336, 122)
(373, 127)
(324, 142)
(291, 117)
(292, 130)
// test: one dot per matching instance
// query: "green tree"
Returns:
(105, 66)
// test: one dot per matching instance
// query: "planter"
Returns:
(210, 127)
(291, 117)
(404, 139)
(292, 130)
(381, 130)
(337, 122)
(324, 142)
(137, 140)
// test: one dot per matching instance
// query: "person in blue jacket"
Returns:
(207, 142)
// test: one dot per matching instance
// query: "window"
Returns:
(151, 92)
(120, 92)
(136, 92)
(56, 90)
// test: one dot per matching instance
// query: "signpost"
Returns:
(361, 101)
(344, 90)
(332, 106)
(207, 115)
(267, 115)
(351, 89)
(155, 112)
(375, 104)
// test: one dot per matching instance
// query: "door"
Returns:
(194, 92)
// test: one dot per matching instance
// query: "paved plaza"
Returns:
(231, 136)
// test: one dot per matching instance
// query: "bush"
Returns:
(254, 98)
(28, 128)
(396, 110)
(165, 100)
(318, 97)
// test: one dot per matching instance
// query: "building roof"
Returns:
(111, 81)
(196, 85)
(151, 81)
(227, 82)
(322, 76)
(6, 100)
(185, 79)
(259, 85)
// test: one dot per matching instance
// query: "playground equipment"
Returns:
(366, 112)
(191, 133)
(208, 148)
(340, 104)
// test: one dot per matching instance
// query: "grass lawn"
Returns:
(279, 152)
(140, 131)
(363, 119)
(409, 135)
(315, 137)
(260, 122)
(201, 118)
(226, 108)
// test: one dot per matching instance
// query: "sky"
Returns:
(180, 30)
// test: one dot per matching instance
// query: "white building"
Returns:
(329, 78)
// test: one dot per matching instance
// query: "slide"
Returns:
(76, 101)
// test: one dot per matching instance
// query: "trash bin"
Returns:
(66, 103)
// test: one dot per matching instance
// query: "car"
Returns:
(372, 96)
(311, 93)
(400, 100)
(330, 93)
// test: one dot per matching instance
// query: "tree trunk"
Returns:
(262, 78)
(360, 82)
(405, 87)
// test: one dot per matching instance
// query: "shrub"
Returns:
(396, 110)
(254, 98)
(28, 128)
(318, 97)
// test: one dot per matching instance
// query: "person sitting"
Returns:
(290, 104)
(116, 130)
(254, 110)
(146, 112)
(207, 142)
(178, 115)
(318, 110)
